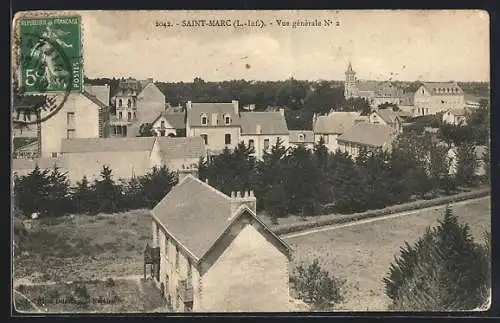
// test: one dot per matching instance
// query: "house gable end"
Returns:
(238, 223)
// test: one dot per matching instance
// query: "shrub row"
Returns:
(344, 218)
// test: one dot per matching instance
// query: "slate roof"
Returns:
(176, 120)
(388, 115)
(151, 92)
(194, 213)
(368, 86)
(271, 123)
(101, 92)
(443, 88)
(179, 148)
(369, 134)
(147, 113)
(335, 123)
(389, 90)
(83, 145)
(198, 109)
(308, 136)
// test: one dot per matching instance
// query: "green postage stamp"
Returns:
(50, 59)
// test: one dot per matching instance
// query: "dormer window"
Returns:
(227, 120)
(301, 137)
(204, 119)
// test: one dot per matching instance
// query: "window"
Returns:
(325, 139)
(205, 139)
(70, 119)
(135, 117)
(129, 103)
(70, 134)
(227, 139)
(301, 137)
(120, 115)
(251, 143)
(162, 124)
(266, 144)
(227, 120)
(54, 155)
(204, 120)
(120, 102)
(129, 116)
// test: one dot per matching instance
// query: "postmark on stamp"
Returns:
(48, 64)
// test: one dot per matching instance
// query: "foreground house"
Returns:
(369, 136)
(213, 254)
(333, 125)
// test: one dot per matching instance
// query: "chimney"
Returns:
(187, 170)
(248, 198)
(258, 129)
(282, 111)
(235, 105)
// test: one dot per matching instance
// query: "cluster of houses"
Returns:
(95, 129)
(203, 260)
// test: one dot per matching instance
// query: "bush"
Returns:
(444, 270)
(316, 287)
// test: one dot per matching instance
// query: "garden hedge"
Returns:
(344, 218)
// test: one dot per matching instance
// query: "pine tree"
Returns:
(444, 270)
(83, 196)
(32, 191)
(58, 197)
(156, 184)
(107, 193)
(466, 164)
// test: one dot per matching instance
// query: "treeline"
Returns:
(300, 99)
(48, 192)
(301, 181)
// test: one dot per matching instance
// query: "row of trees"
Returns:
(444, 270)
(302, 181)
(48, 192)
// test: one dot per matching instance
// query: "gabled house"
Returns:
(261, 130)
(369, 136)
(331, 126)
(83, 115)
(136, 103)
(169, 124)
(386, 117)
(215, 255)
(388, 92)
(303, 138)
(217, 123)
(434, 97)
(21, 167)
(86, 157)
(456, 117)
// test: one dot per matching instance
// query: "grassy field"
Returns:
(89, 248)
(362, 254)
(84, 247)
(122, 296)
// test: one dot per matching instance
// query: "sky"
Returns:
(404, 45)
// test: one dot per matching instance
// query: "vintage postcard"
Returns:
(250, 161)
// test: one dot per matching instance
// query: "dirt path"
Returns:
(28, 282)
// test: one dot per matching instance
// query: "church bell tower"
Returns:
(350, 86)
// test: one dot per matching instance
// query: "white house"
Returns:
(457, 117)
(434, 97)
(331, 126)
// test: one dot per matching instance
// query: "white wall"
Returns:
(55, 128)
